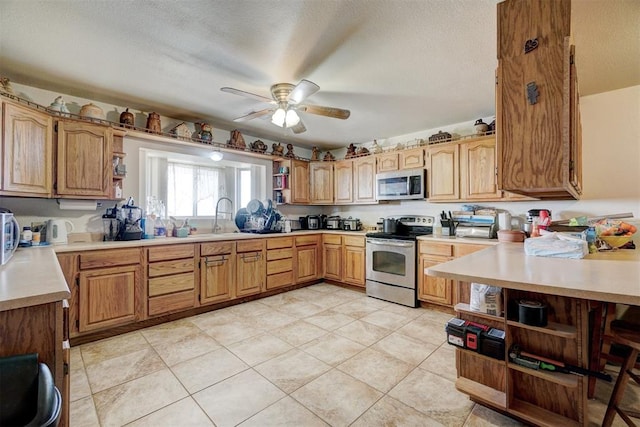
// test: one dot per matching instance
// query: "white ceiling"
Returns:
(400, 66)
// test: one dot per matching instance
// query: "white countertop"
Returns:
(605, 276)
(454, 239)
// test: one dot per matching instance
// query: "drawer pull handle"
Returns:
(215, 262)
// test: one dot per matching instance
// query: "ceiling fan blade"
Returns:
(337, 113)
(253, 115)
(302, 90)
(299, 128)
(247, 94)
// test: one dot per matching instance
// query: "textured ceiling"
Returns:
(400, 66)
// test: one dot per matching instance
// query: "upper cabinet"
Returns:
(537, 114)
(411, 159)
(291, 181)
(478, 170)
(27, 152)
(321, 182)
(84, 160)
(343, 181)
(364, 180)
(444, 172)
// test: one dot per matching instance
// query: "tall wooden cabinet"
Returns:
(84, 160)
(537, 117)
(291, 181)
(27, 152)
(343, 182)
(478, 170)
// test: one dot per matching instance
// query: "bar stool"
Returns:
(631, 339)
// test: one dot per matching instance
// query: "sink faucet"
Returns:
(216, 228)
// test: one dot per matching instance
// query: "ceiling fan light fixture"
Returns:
(292, 118)
(279, 117)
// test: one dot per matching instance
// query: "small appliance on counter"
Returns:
(9, 235)
(130, 217)
(351, 224)
(57, 231)
(334, 223)
(478, 226)
(313, 222)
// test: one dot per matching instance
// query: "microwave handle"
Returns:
(16, 227)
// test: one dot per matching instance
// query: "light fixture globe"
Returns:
(278, 117)
(216, 156)
(292, 118)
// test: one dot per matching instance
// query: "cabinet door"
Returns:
(575, 138)
(412, 159)
(307, 263)
(430, 288)
(354, 265)
(107, 297)
(387, 162)
(84, 160)
(343, 181)
(321, 177)
(364, 176)
(444, 172)
(216, 278)
(27, 145)
(478, 170)
(250, 273)
(332, 256)
(300, 181)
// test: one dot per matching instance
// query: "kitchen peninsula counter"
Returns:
(605, 276)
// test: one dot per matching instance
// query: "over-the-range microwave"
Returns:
(402, 185)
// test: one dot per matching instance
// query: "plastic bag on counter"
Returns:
(486, 299)
(557, 246)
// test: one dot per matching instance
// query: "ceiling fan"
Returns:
(286, 102)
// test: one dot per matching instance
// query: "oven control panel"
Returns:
(417, 220)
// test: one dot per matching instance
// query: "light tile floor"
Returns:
(316, 356)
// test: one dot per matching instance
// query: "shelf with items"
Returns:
(463, 308)
(119, 170)
(552, 328)
(565, 380)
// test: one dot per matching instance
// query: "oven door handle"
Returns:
(386, 242)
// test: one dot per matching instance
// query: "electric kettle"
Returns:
(57, 231)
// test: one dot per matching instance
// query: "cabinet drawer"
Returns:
(279, 242)
(432, 248)
(307, 240)
(162, 253)
(170, 267)
(279, 280)
(332, 239)
(280, 266)
(217, 248)
(279, 254)
(109, 258)
(249, 246)
(168, 284)
(466, 249)
(357, 241)
(172, 302)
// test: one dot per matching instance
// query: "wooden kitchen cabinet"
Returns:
(217, 272)
(279, 262)
(171, 278)
(537, 122)
(299, 182)
(478, 170)
(354, 260)
(308, 258)
(412, 158)
(387, 162)
(321, 182)
(109, 288)
(250, 267)
(332, 256)
(444, 172)
(27, 147)
(343, 182)
(364, 180)
(84, 160)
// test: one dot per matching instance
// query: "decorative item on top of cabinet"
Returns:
(362, 151)
(153, 123)
(59, 106)
(258, 146)
(127, 119)
(277, 149)
(91, 111)
(5, 85)
(351, 151)
(181, 131)
(315, 154)
(440, 137)
(328, 157)
(206, 132)
(376, 148)
(481, 127)
(27, 147)
(236, 140)
(290, 153)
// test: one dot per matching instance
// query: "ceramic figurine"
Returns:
(376, 148)
(362, 151)
(277, 149)
(351, 151)
(400, 146)
(91, 111)
(328, 157)
(59, 105)
(153, 123)
(127, 118)
(5, 86)
(237, 140)
(440, 137)
(181, 131)
(206, 132)
(258, 146)
(315, 153)
(481, 127)
(290, 152)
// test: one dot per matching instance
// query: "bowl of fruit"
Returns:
(616, 234)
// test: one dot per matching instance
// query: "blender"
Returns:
(130, 217)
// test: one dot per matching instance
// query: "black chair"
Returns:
(28, 395)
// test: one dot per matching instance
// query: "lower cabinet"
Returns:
(171, 278)
(250, 267)
(279, 262)
(439, 290)
(308, 258)
(217, 272)
(344, 258)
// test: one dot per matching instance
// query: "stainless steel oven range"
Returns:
(391, 261)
